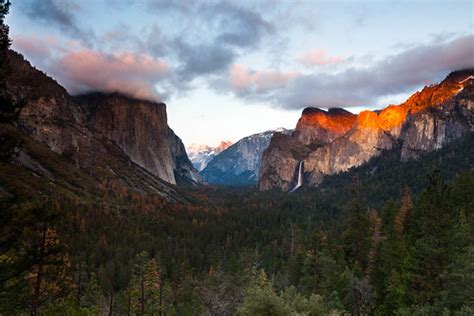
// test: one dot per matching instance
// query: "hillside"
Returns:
(330, 142)
(239, 163)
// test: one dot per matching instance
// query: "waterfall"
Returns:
(300, 177)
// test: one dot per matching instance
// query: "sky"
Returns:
(228, 69)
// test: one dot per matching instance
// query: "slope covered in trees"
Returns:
(387, 238)
(392, 240)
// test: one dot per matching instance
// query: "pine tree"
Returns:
(458, 283)
(93, 297)
(435, 218)
(356, 239)
(49, 279)
(4, 38)
(137, 289)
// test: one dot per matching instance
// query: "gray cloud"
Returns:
(202, 59)
(229, 30)
(59, 13)
(397, 74)
(241, 27)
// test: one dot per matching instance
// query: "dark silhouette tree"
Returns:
(4, 39)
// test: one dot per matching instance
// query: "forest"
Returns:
(394, 241)
(385, 238)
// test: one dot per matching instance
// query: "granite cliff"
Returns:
(37, 106)
(140, 129)
(239, 164)
(334, 141)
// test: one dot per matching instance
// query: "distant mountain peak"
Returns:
(239, 164)
(224, 145)
(201, 154)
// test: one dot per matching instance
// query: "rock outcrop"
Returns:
(334, 141)
(141, 130)
(38, 106)
(200, 155)
(316, 125)
(239, 164)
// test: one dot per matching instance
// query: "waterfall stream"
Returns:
(300, 177)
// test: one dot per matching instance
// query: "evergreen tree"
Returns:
(435, 218)
(138, 284)
(356, 235)
(49, 279)
(4, 38)
(93, 298)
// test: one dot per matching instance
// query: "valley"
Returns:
(105, 211)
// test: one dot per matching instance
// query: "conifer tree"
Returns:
(356, 235)
(4, 30)
(435, 218)
(93, 297)
(49, 279)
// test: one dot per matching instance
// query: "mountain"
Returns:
(39, 109)
(239, 164)
(333, 141)
(140, 129)
(200, 155)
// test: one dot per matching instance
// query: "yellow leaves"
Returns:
(6, 259)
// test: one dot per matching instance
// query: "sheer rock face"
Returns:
(37, 105)
(239, 164)
(141, 130)
(329, 144)
(44, 110)
(316, 125)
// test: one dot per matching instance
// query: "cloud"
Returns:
(207, 40)
(202, 59)
(212, 36)
(81, 70)
(135, 75)
(245, 82)
(32, 46)
(240, 27)
(399, 73)
(58, 13)
(319, 57)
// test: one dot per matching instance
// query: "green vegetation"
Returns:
(367, 242)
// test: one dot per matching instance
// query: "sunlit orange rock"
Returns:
(392, 116)
(331, 142)
(323, 126)
(224, 145)
(368, 119)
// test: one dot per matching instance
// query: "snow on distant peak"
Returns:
(200, 155)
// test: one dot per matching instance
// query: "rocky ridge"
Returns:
(39, 107)
(239, 164)
(200, 155)
(334, 141)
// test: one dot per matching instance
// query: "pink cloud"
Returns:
(33, 46)
(129, 73)
(319, 57)
(242, 79)
(82, 70)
